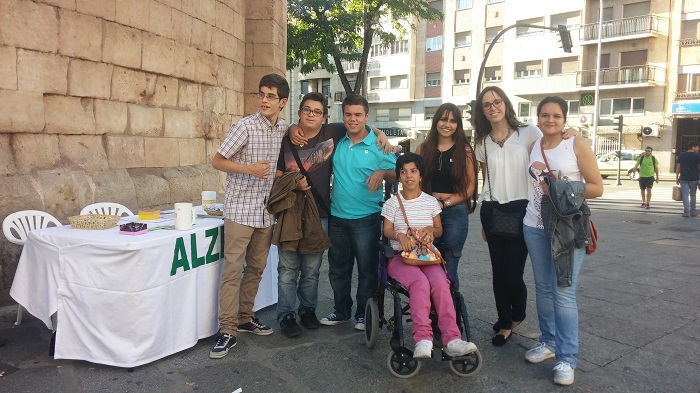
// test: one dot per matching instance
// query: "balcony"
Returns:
(641, 76)
(646, 26)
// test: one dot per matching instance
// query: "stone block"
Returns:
(236, 5)
(134, 13)
(189, 96)
(207, 11)
(239, 26)
(89, 79)
(17, 193)
(145, 121)
(110, 117)
(186, 56)
(67, 4)
(8, 68)
(234, 102)
(182, 27)
(192, 151)
(152, 191)
(158, 54)
(185, 184)
(224, 44)
(80, 35)
(114, 185)
(259, 33)
(26, 24)
(69, 115)
(64, 192)
(205, 68)
(224, 17)
(105, 9)
(122, 45)
(161, 152)
(206, 125)
(132, 86)
(212, 147)
(7, 162)
(25, 148)
(239, 77)
(263, 54)
(225, 76)
(124, 151)
(42, 72)
(178, 124)
(214, 99)
(83, 151)
(211, 179)
(21, 111)
(160, 19)
(259, 9)
(165, 92)
(177, 4)
(201, 35)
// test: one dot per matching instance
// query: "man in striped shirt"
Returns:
(249, 157)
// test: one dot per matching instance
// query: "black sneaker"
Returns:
(333, 319)
(289, 326)
(309, 320)
(224, 342)
(255, 327)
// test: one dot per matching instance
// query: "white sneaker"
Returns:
(423, 349)
(360, 325)
(563, 374)
(538, 353)
(459, 347)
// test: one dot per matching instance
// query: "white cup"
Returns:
(208, 199)
(184, 216)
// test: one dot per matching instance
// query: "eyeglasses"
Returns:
(270, 97)
(495, 104)
(308, 111)
(648, 151)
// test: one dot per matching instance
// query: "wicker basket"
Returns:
(93, 221)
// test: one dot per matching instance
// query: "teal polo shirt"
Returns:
(352, 165)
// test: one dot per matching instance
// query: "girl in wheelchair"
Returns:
(424, 281)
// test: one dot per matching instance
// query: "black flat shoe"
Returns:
(500, 340)
(495, 327)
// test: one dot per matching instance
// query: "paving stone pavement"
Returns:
(639, 305)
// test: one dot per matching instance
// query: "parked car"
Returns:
(607, 163)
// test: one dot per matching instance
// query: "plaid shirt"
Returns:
(250, 140)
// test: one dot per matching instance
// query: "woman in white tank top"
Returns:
(557, 309)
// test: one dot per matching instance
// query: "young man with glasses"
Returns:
(648, 166)
(248, 155)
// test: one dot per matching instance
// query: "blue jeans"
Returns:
(352, 240)
(557, 310)
(455, 226)
(298, 277)
(688, 190)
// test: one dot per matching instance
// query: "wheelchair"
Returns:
(400, 358)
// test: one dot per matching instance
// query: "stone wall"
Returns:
(123, 100)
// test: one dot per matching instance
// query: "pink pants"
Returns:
(423, 283)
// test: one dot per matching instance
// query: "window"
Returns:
(326, 87)
(605, 61)
(528, 69)
(399, 82)
(378, 50)
(563, 65)
(522, 31)
(494, 1)
(433, 43)
(464, 4)
(463, 39)
(304, 87)
(573, 107)
(492, 74)
(398, 47)
(437, 5)
(462, 77)
(429, 112)
(636, 9)
(523, 109)
(572, 20)
(688, 82)
(492, 32)
(404, 114)
(432, 79)
(621, 106)
(382, 114)
(378, 83)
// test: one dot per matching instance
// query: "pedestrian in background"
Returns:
(648, 166)
(389, 187)
(687, 175)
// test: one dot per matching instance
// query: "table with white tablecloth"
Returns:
(126, 300)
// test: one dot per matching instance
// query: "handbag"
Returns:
(422, 254)
(501, 219)
(593, 245)
(676, 195)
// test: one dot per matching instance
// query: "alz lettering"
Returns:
(181, 259)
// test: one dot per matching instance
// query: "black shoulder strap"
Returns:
(314, 191)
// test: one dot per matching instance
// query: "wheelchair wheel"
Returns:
(466, 366)
(402, 369)
(371, 323)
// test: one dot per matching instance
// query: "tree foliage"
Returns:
(326, 33)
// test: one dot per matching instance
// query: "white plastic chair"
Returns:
(16, 228)
(112, 208)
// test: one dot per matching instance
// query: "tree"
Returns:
(324, 33)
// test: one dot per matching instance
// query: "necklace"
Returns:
(502, 141)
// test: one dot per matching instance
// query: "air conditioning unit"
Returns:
(411, 134)
(651, 130)
(585, 120)
(524, 119)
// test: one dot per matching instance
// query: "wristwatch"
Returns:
(447, 202)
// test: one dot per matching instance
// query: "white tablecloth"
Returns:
(128, 300)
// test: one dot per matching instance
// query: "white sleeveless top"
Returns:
(563, 162)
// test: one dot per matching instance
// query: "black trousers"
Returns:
(508, 256)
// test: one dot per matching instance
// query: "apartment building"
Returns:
(649, 68)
